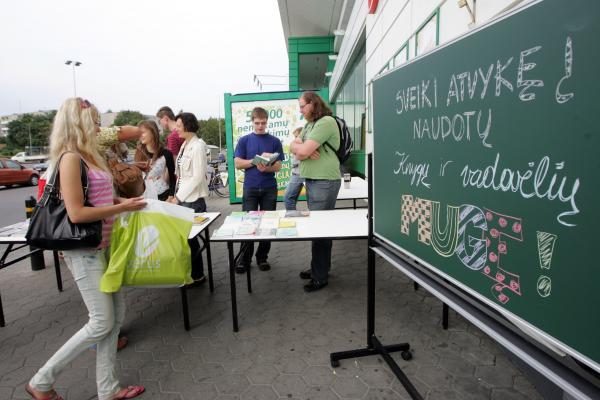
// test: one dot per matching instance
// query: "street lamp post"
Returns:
(74, 64)
(30, 145)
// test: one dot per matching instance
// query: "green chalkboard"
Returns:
(487, 168)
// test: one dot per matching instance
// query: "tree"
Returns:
(38, 125)
(209, 131)
(128, 118)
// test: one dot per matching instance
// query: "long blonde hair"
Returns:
(74, 129)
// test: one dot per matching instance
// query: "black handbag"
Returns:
(50, 227)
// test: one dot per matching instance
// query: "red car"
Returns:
(13, 173)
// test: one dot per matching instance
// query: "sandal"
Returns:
(122, 342)
(129, 392)
(51, 395)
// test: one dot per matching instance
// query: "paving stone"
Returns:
(526, 388)
(175, 381)
(155, 371)
(376, 377)
(289, 385)
(291, 365)
(319, 393)
(207, 372)
(384, 394)
(457, 366)
(446, 394)
(18, 377)
(262, 374)
(352, 388)
(204, 391)
(231, 383)
(259, 392)
(471, 388)
(319, 375)
(508, 394)
(496, 376)
(6, 392)
(435, 377)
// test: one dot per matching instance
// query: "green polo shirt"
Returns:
(323, 130)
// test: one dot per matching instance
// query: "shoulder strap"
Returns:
(52, 187)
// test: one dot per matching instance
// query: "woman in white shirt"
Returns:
(191, 187)
(155, 160)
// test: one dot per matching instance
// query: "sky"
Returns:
(138, 55)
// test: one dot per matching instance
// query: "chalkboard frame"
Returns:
(531, 330)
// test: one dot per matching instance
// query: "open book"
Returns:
(265, 159)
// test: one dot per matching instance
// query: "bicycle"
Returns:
(218, 181)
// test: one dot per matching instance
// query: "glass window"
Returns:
(402, 56)
(350, 101)
(12, 165)
(426, 37)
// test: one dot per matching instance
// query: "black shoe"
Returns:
(197, 282)
(313, 286)
(306, 274)
(263, 265)
(241, 269)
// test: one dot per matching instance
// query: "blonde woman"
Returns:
(73, 139)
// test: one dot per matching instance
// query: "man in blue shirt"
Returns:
(260, 185)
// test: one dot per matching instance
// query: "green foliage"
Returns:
(209, 131)
(19, 130)
(128, 118)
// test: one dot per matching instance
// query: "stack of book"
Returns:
(260, 224)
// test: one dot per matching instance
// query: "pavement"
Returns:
(282, 348)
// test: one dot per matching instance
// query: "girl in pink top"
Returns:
(74, 136)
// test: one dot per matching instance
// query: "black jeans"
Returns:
(197, 263)
(255, 199)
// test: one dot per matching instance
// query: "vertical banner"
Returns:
(284, 117)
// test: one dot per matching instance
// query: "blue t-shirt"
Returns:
(249, 146)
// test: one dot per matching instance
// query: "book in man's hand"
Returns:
(267, 159)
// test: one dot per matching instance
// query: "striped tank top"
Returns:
(100, 193)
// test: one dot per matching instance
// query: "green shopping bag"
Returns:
(150, 248)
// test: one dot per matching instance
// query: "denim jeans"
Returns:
(321, 195)
(292, 192)
(197, 262)
(258, 199)
(106, 313)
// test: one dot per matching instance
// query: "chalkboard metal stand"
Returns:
(374, 346)
(445, 309)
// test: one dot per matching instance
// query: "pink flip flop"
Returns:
(129, 392)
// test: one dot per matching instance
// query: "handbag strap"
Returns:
(52, 187)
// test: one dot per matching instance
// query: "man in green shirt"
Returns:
(320, 168)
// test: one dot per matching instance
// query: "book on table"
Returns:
(266, 231)
(199, 219)
(287, 223)
(287, 232)
(224, 231)
(246, 228)
(267, 159)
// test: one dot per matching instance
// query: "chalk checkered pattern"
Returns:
(413, 210)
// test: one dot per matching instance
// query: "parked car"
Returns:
(42, 167)
(13, 173)
(24, 156)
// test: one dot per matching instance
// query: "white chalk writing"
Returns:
(529, 182)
